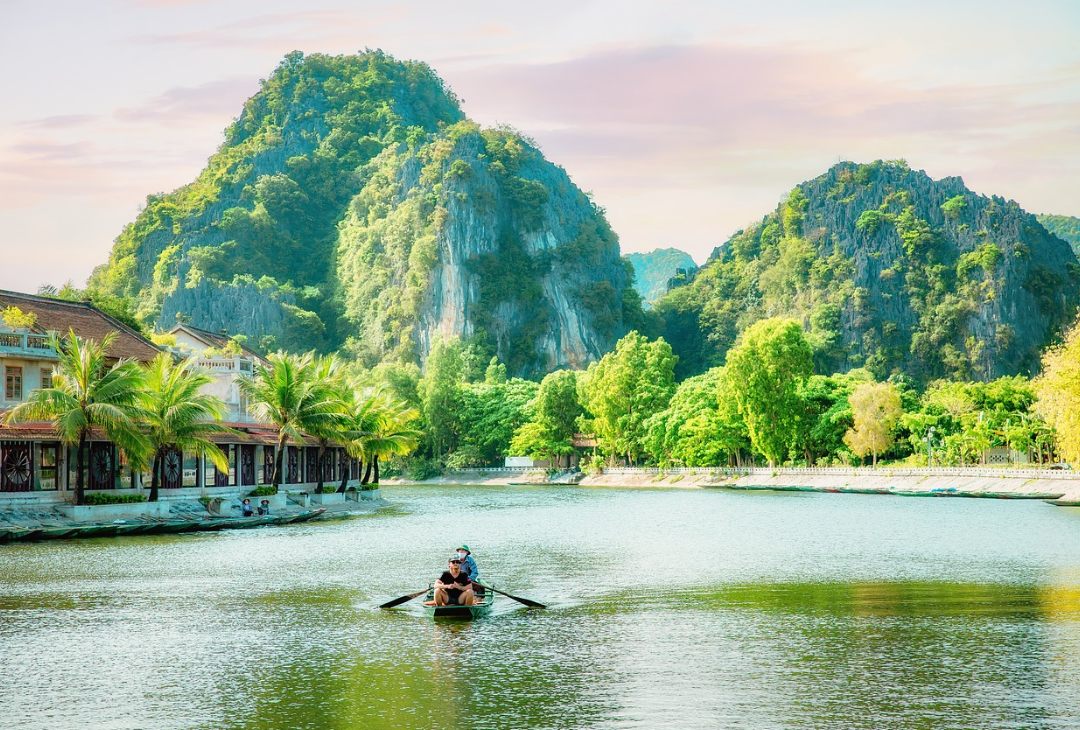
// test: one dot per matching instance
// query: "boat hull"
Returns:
(460, 613)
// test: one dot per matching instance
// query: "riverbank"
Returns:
(60, 521)
(1063, 486)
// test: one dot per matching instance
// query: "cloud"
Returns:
(741, 125)
(277, 31)
(221, 99)
(61, 121)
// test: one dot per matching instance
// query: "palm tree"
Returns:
(332, 422)
(179, 417)
(288, 393)
(88, 393)
(393, 435)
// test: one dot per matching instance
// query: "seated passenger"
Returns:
(468, 564)
(454, 587)
(248, 511)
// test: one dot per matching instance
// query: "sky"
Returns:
(686, 120)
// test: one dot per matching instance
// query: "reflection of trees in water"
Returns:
(403, 670)
(906, 654)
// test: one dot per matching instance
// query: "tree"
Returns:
(1058, 390)
(556, 409)
(331, 421)
(286, 393)
(490, 413)
(440, 395)
(394, 435)
(177, 416)
(768, 366)
(624, 388)
(875, 411)
(87, 393)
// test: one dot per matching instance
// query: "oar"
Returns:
(526, 601)
(403, 599)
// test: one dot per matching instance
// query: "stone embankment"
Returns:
(1003, 483)
(41, 521)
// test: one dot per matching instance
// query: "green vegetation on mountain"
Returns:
(887, 270)
(352, 205)
(655, 270)
(1065, 227)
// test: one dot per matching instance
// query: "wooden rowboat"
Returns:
(466, 613)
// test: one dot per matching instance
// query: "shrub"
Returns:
(421, 469)
(264, 491)
(100, 498)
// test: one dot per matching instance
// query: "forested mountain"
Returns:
(1065, 227)
(353, 205)
(654, 270)
(889, 270)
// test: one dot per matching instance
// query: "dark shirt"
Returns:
(462, 581)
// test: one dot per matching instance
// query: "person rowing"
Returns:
(454, 587)
(468, 562)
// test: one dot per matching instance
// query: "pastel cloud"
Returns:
(182, 104)
(742, 124)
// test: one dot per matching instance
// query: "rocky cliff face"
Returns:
(351, 205)
(653, 271)
(477, 235)
(890, 270)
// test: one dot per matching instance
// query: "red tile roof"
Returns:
(85, 319)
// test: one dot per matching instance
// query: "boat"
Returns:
(466, 613)
(1063, 502)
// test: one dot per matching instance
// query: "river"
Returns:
(667, 608)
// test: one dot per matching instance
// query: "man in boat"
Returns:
(468, 564)
(454, 587)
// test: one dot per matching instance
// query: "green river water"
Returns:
(668, 608)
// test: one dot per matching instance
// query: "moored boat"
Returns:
(459, 612)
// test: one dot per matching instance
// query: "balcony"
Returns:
(224, 364)
(29, 345)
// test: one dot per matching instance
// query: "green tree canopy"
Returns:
(769, 365)
(624, 388)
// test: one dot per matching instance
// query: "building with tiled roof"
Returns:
(35, 466)
(86, 320)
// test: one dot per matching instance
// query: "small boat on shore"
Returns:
(459, 612)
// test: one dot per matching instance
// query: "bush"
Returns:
(264, 491)
(421, 469)
(100, 498)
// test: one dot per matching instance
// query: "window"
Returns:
(46, 377)
(191, 470)
(13, 383)
(48, 460)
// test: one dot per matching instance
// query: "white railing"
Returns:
(492, 469)
(955, 471)
(27, 342)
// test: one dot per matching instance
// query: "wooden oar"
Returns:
(526, 601)
(403, 599)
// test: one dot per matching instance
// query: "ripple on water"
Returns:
(677, 608)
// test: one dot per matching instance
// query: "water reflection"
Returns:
(673, 609)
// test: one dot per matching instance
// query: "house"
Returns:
(31, 457)
(35, 466)
(224, 360)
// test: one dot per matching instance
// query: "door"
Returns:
(16, 466)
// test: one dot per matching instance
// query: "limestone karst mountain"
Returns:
(887, 269)
(353, 205)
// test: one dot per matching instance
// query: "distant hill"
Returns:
(353, 206)
(887, 269)
(1065, 227)
(653, 270)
